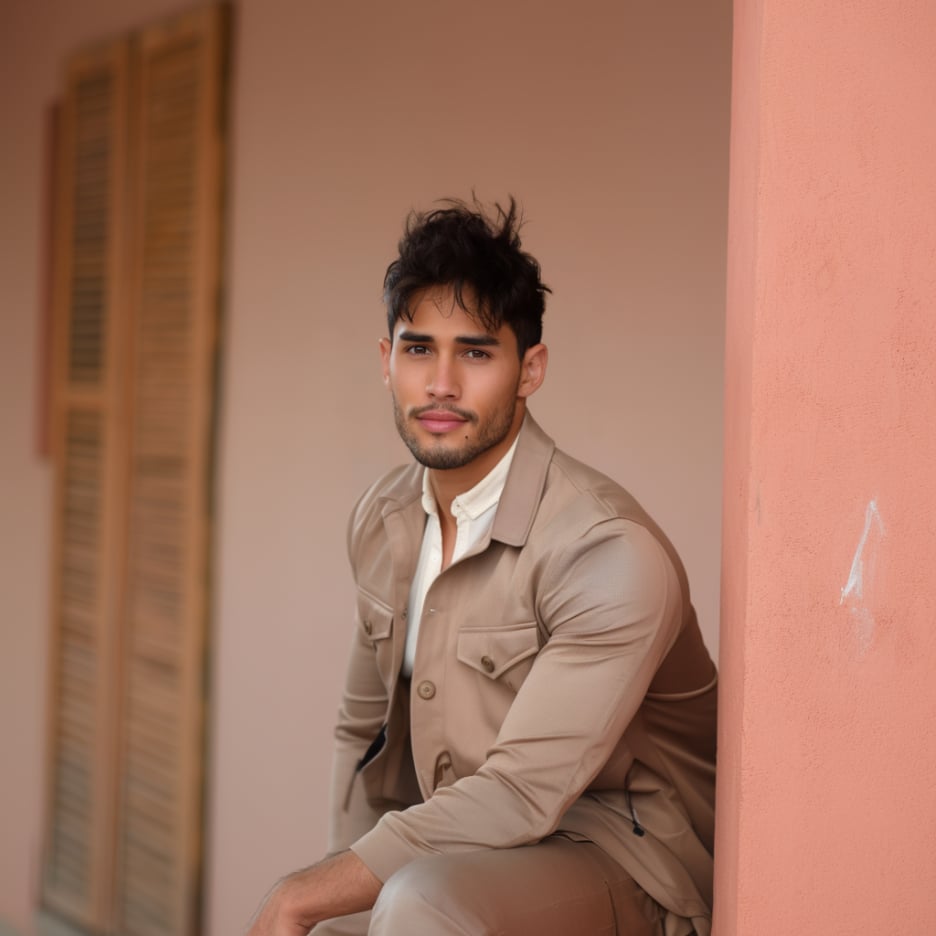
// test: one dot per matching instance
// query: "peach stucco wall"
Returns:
(827, 789)
(608, 120)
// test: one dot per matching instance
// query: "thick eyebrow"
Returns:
(475, 341)
(414, 336)
(478, 341)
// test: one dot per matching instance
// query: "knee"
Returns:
(414, 884)
(417, 899)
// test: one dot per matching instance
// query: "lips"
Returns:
(440, 421)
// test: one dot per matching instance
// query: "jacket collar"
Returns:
(521, 495)
(525, 482)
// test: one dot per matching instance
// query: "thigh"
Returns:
(554, 888)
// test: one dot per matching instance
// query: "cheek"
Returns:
(503, 387)
(402, 381)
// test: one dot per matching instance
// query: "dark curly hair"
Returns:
(462, 246)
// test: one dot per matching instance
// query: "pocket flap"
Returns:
(375, 617)
(493, 652)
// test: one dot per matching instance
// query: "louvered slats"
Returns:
(70, 861)
(93, 152)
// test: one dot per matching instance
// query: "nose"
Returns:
(443, 380)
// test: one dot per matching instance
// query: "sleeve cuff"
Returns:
(384, 850)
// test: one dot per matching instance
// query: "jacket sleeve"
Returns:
(612, 605)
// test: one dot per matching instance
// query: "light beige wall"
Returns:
(608, 120)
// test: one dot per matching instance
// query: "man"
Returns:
(526, 739)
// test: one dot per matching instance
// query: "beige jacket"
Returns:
(560, 685)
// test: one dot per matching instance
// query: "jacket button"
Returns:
(488, 664)
(426, 689)
(368, 627)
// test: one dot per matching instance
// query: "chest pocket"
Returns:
(375, 620)
(505, 654)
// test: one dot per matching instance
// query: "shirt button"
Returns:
(488, 664)
(426, 689)
(368, 627)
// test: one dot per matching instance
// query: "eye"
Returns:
(476, 354)
(416, 349)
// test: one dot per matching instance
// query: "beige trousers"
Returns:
(555, 888)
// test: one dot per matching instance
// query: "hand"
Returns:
(333, 887)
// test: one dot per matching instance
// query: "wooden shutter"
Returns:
(88, 446)
(175, 299)
(137, 301)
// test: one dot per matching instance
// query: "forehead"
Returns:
(436, 311)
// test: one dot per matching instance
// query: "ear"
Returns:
(532, 370)
(385, 346)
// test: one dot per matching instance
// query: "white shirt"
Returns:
(474, 516)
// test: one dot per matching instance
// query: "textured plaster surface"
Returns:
(828, 646)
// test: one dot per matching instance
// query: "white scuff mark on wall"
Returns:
(863, 622)
(860, 575)
(854, 587)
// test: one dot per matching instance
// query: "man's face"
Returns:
(458, 389)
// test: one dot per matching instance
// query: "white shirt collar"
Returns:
(482, 497)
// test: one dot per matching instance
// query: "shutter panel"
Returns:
(175, 292)
(87, 445)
